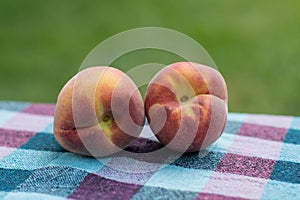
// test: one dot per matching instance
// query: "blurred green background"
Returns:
(255, 44)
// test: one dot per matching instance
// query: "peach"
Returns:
(98, 112)
(186, 106)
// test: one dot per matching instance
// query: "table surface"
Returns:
(257, 157)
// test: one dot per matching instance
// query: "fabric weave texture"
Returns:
(257, 157)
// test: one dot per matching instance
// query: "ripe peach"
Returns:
(98, 112)
(186, 106)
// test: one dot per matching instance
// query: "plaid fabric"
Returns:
(257, 157)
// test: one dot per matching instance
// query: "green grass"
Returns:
(255, 44)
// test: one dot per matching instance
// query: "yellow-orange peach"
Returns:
(98, 112)
(186, 106)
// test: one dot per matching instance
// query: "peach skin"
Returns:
(98, 112)
(186, 106)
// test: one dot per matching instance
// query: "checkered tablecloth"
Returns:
(257, 157)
